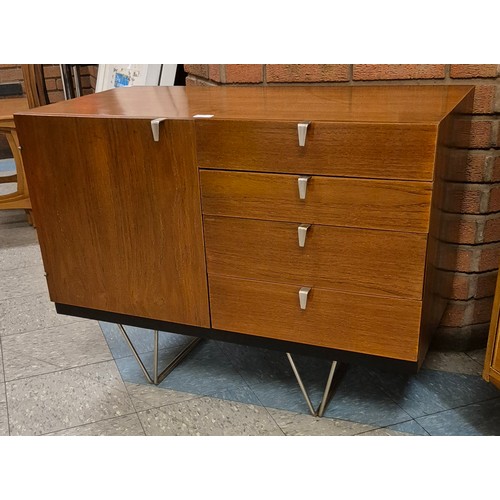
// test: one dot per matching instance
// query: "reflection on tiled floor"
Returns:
(61, 375)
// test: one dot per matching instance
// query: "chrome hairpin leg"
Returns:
(158, 377)
(326, 394)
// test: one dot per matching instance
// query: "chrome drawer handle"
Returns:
(303, 293)
(303, 186)
(155, 128)
(302, 229)
(302, 131)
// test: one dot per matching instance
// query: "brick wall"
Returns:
(10, 73)
(474, 202)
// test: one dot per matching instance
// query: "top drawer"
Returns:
(371, 150)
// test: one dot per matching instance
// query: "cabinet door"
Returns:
(118, 215)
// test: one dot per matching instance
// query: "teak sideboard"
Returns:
(299, 218)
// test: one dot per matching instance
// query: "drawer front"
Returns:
(373, 150)
(358, 323)
(353, 260)
(392, 205)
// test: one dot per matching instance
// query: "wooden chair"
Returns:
(36, 95)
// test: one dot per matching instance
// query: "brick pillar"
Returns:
(473, 205)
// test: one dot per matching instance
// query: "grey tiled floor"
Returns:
(61, 375)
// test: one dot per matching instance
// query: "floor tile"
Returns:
(23, 281)
(29, 313)
(297, 424)
(50, 349)
(432, 391)
(384, 431)
(410, 427)
(1, 365)
(209, 417)
(128, 425)
(69, 398)
(13, 218)
(4, 421)
(19, 248)
(146, 397)
(141, 338)
(257, 365)
(205, 372)
(355, 398)
(478, 419)
(453, 362)
(16, 235)
(478, 355)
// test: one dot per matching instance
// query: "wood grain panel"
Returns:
(372, 150)
(119, 218)
(393, 205)
(351, 260)
(381, 104)
(360, 323)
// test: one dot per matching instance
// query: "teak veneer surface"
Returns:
(351, 260)
(360, 323)
(375, 204)
(387, 104)
(119, 217)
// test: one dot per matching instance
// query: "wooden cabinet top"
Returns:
(379, 104)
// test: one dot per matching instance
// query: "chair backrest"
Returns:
(34, 85)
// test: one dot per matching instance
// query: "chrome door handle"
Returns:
(302, 132)
(303, 293)
(302, 181)
(302, 230)
(155, 128)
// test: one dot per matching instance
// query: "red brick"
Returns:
(484, 99)
(495, 175)
(467, 166)
(56, 96)
(461, 199)
(473, 70)
(197, 69)
(214, 72)
(458, 229)
(494, 201)
(456, 258)
(480, 134)
(492, 230)
(289, 73)
(461, 287)
(455, 313)
(398, 71)
(489, 257)
(50, 84)
(11, 75)
(244, 73)
(482, 310)
(486, 284)
(51, 71)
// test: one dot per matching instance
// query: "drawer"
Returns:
(352, 260)
(360, 323)
(372, 150)
(375, 204)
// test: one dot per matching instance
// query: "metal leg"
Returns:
(326, 394)
(158, 377)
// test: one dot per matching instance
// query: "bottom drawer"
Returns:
(358, 323)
